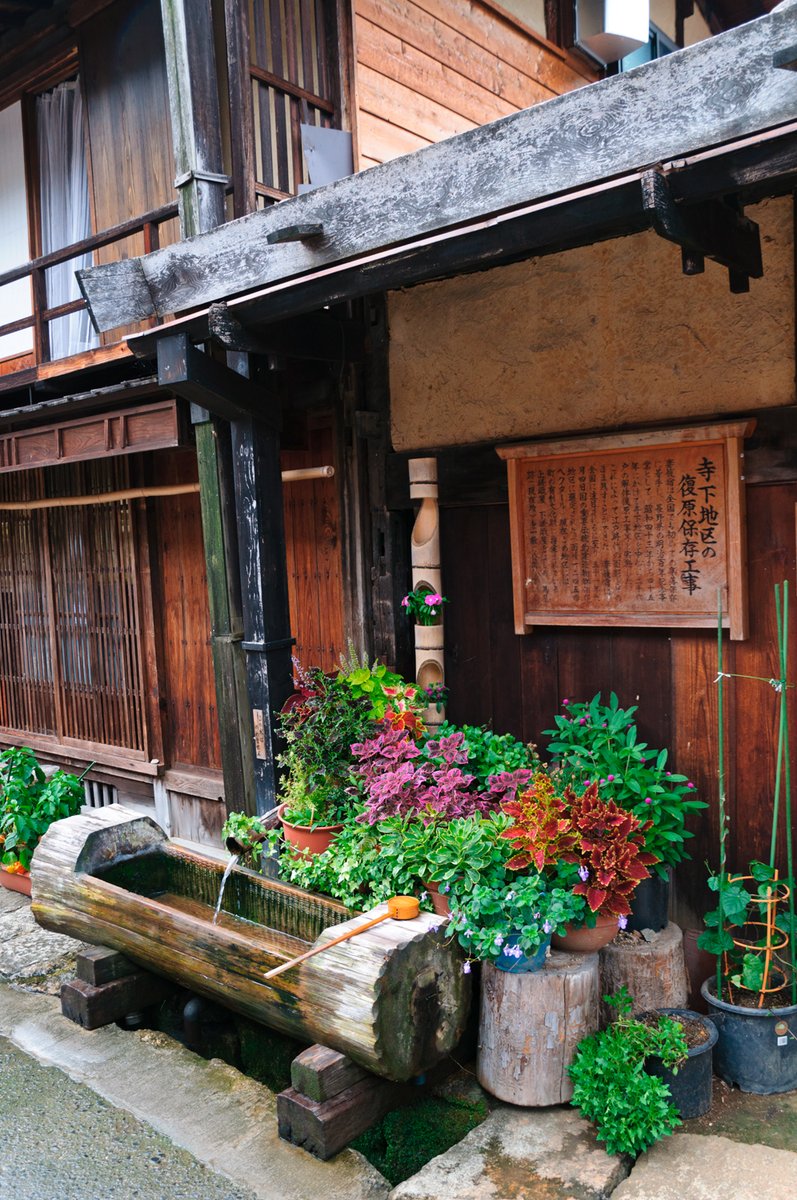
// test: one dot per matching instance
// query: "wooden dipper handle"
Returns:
(400, 908)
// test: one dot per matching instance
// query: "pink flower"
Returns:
(582, 720)
(405, 603)
(565, 703)
(648, 800)
(610, 778)
(432, 598)
(690, 784)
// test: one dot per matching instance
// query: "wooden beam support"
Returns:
(306, 232)
(211, 385)
(93, 1006)
(318, 336)
(710, 229)
(214, 462)
(264, 588)
(195, 119)
(718, 91)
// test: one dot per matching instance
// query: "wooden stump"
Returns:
(653, 971)
(530, 1026)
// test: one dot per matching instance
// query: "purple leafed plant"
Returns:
(402, 779)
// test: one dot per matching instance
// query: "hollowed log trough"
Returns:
(394, 998)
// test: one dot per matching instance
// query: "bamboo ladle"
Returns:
(400, 908)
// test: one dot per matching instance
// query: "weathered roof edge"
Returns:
(722, 89)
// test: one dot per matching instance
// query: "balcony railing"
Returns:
(148, 224)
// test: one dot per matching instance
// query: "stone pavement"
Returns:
(208, 1115)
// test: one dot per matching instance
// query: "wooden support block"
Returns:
(320, 1073)
(653, 971)
(530, 1027)
(91, 1007)
(325, 1128)
(99, 964)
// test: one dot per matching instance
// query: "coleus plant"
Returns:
(605, 841)
(403, 779)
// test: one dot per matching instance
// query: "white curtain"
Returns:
(65, 216)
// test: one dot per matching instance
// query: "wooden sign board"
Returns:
(635, 529)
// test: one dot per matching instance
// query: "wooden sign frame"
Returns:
(632, 529)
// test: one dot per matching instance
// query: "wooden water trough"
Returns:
(394, 998)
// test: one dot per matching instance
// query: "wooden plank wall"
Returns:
(312, 539)
(429, 69)
(517, 683)
(182, 619)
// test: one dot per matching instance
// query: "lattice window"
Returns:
(293, 83)
(70, 644)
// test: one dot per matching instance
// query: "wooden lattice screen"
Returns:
(292, 83)
(70, 656)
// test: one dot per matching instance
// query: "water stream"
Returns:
(227, 872)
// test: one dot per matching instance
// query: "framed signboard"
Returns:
(634, 529)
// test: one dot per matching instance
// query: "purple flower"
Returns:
(622, 922)
(423, 896)
(690, 784)
(547, 927)
(583, 873)
(445, 888)
(466, 968)
(565, 703)
(468, 933)
(499, 939)
(433, 928)
(582, 720)
(610, 778)
(603, 782)
(648, 800)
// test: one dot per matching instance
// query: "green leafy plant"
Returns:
(746, 932)
(30, 802)
(504, 914)
(491, 753)
(630, 1108)
(248, 833)
(598, 743)
(387, 693)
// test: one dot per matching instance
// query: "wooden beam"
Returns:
(318, 336)
(710, 228)
(721, 89)
(199, 378)
(195, 119)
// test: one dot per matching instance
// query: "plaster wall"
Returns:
(602, 337)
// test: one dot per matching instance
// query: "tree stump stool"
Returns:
(530, 1026)
(652, 969)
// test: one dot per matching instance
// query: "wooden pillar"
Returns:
(425, 550)
(194, 106)
(226, 621)
(264, 589)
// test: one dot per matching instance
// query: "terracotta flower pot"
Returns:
(15, 883)
(309, 841)
(439, 901)
(582, 939)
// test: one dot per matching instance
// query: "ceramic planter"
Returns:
(439, 901)
(757, 1047)
(15, 883)
(521, 964)
(690, 1088)
(309, 841)
(581, 939)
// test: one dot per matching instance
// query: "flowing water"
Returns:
(227, 872)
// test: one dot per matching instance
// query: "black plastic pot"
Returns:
(757, 1048)
(691, 1086)
(649, 904)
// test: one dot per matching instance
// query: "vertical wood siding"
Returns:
(429, 69)
(517, 683)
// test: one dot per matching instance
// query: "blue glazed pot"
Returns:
(523, 964)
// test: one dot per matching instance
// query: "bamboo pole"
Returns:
(723, 828)
(145, 493)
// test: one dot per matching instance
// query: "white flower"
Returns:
(466, 968)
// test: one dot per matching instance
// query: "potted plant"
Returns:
(631, 1108)
(752, 997)
(30, 801)
(600, 843)
(596, 743)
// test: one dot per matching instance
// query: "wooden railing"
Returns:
(148, 224)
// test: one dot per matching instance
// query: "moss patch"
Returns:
(405, 1140)
(265, 1055)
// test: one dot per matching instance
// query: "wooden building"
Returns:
(617, 264)
(150, 632)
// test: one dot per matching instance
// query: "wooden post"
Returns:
(226, 621)
(264, 587)
(425, 549)
(530, 1026)
(195, 120)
